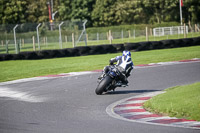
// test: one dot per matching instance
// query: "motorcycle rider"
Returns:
(124, 65)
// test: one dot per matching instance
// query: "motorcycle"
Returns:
(110, 80)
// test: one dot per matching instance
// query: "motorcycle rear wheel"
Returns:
(103, 85)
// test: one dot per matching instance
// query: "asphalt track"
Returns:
(69, 104)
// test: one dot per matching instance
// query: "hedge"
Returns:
(101, 49)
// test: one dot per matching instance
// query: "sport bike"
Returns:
(110, 80)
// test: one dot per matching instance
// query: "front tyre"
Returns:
(103, 85)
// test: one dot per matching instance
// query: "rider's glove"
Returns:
(111, 62)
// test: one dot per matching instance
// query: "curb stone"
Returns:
(131, 109)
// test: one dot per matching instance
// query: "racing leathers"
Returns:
(124, 65)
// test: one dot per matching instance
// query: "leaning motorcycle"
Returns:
(110, 80)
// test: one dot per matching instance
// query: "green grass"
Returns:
(179, 101)
(11, 70)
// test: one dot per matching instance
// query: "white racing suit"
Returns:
(124, 65)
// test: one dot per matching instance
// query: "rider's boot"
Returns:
(125, 83)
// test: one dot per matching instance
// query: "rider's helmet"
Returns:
(126, 53)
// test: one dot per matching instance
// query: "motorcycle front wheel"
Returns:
(103, 85)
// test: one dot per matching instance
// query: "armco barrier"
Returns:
(101, 49)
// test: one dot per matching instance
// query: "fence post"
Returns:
(66, 39)
(84, 31)
(73, 42)
(15, 38)
(23, 42)
(129, 33)
(86, 38)
(185, 35)
(122, 35)
(60, 36)
(196, 28)
(147, 35)
(46, 40)
(2, 42)
(110, 37)
(18, 48)
(151, 32)
(20, 42)
(7, 50)
(97, 37)
(33, 43)
(38, 38)
(190, 26)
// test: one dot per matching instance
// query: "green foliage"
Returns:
(103, 14)
(191, 10)
(162, 10)
(100, 12)
(13, 11)
(65, 9)
(37, 11)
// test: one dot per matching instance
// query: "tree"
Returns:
(76, 9)
(37, 11)
(103, 14)
(13, 11)
(191, 11)
(65, 9)
(100, 12)
(129, 11)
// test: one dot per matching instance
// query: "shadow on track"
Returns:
(128, 92)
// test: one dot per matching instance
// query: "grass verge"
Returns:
(11, 70)
(179, 101)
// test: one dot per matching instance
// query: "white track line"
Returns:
(124, 108)
(20, 96)
(132, 102)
